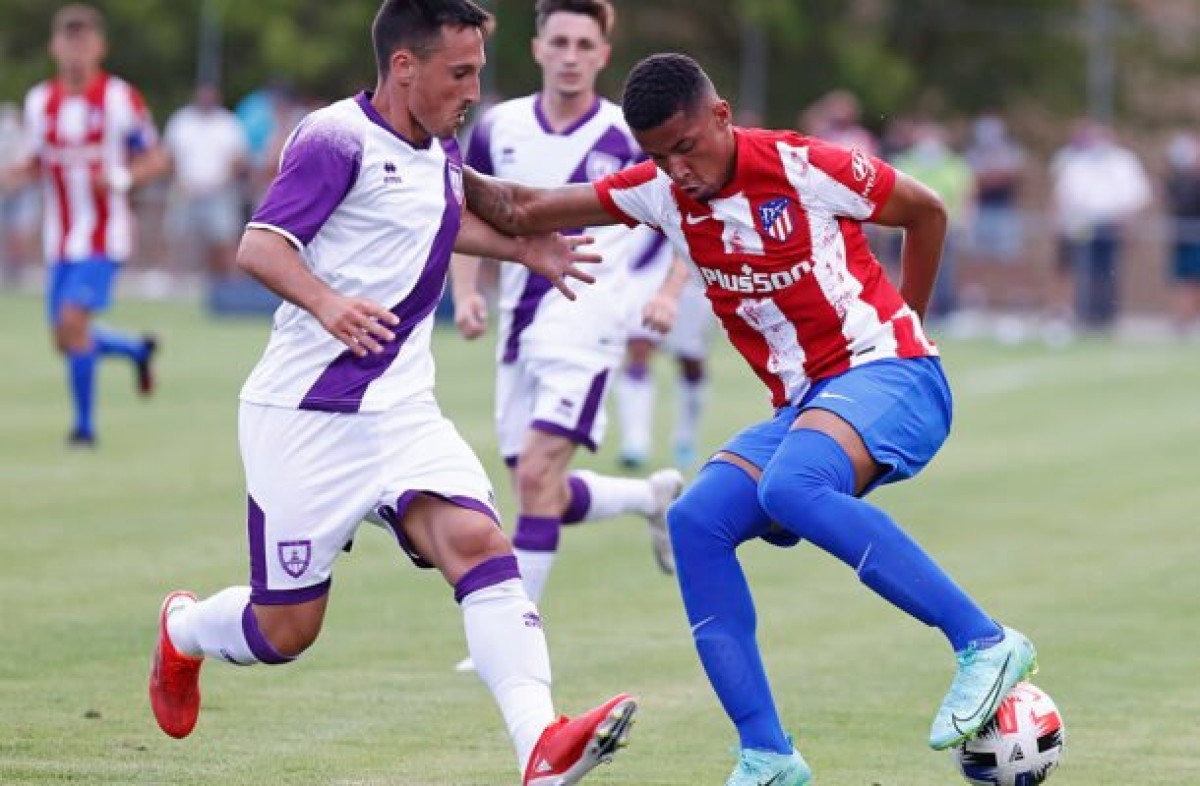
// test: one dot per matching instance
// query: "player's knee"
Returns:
(691, 523)
(787, 493)
(476, 540)
(535, 479)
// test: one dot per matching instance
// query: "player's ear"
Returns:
(605, 53)
(723, 114)
(403, 64)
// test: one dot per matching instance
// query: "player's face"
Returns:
(572, 51)
(445, 85)
(77, 51)
(697, 149)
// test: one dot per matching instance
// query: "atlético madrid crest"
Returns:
(777, 218)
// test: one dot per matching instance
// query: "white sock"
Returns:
(505, 639)
(635, 414)
(213, 627)
(689, 407)
(613, 496)
(535, 570)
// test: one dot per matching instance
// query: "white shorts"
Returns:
(562, 396)
(313, 477)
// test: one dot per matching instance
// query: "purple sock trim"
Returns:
(486, 574)
(637, 372)
(581, 501)
(693, 376)
(258, 643)
(537, 533)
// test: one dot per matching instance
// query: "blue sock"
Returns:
(716, 513)
(81, 373)
(113, 342)
(808, 487)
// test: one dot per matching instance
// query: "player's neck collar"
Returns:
(363, 100)
(539, 112)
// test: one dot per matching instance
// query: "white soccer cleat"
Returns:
(465, 666)
(666, 485)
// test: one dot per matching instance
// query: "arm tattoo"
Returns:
(491, 200)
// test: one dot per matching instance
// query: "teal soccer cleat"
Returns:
(764, 768)
(984, 678)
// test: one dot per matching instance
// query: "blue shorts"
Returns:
(86, 284)
(902, 409)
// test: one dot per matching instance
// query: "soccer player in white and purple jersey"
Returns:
(556, 359)
(338, 422)
(773, 223)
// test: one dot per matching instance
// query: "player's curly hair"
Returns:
(600, 10)
(660, 86)
(416, 25)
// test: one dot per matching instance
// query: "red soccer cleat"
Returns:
(570, 748)
(174, 679)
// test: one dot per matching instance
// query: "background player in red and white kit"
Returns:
(773, 221)
(92, 140)
(556, 359)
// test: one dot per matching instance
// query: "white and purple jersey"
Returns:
(515, 141)
(374, 216)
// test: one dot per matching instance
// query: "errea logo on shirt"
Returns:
(390, 176)
(752, 283)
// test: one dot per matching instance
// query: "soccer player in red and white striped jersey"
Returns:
(92, 140)
(772, 221)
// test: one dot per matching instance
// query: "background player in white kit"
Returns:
(338, 421)
(556, 358)
(682, 324)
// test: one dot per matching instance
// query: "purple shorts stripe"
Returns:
(256, 523)
(289, 597)
(258, 643)
(577, 436)
(591, 405)
(486, 574)
(581, 500)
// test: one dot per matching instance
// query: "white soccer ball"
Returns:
(1021, 746)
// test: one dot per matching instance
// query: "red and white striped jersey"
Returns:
(76, 137)
(782, 255)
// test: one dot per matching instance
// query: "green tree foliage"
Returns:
(943, 56)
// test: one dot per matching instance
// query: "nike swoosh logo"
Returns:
(693, 220)
(776, 778)
(989, 700)
(836, 395)
(702, 623)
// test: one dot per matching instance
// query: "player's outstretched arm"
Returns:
(916, 209)
(360, 324)
(520, 210)
(547, 253)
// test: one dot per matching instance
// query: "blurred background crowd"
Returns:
(1064, 135)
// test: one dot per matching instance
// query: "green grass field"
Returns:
(1066, 502)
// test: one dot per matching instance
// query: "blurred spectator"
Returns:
(931, 160)
(286, 111)
(836, 117)
(1098, 187)
(18, 201)
(997, 234)
(209, 153)
(1183, 204)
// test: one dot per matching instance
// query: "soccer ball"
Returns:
(1021, 746)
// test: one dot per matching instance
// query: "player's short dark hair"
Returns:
(600, 10)
(417, 24)
(660, 86)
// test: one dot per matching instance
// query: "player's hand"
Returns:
(360, 324)
(660, 313)
(557, 257)
(471, 315)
